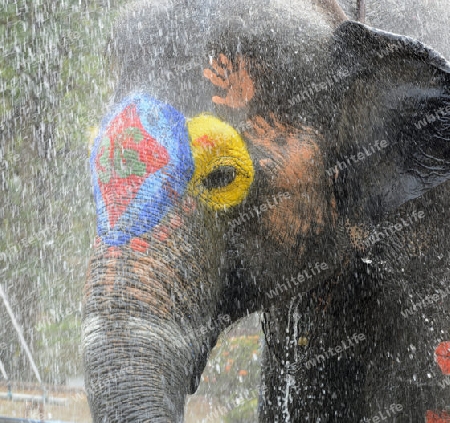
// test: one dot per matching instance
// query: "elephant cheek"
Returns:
(302, 214)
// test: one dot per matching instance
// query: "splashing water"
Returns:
(3, 371)
(20, 335)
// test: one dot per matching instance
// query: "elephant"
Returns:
(275, 157)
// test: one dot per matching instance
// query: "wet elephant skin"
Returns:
(264, 156)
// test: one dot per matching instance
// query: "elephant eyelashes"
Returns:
(220, 177)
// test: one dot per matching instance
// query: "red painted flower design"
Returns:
(443, 357)
(437, 417)
(127, 156)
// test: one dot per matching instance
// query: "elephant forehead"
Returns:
(145, 157)
(141, 163)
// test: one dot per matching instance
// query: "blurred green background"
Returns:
(56, 81)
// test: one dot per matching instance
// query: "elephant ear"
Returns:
(393, 125)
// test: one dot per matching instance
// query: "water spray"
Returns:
(22, 341)
(5, 376)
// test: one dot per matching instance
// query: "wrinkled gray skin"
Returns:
(205, 271)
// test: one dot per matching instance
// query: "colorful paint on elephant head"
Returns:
(143, 160)
(223, 168)
(141, 164)
(437, 417)
(442, 356)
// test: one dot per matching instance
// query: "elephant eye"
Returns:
(220, 177)
(223, 167)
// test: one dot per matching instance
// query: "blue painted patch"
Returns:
(141, 164)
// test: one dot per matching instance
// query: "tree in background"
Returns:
(55, 82)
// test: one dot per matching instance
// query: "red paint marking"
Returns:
(437, 417)
(188, 205)
(113, 252)
(97, 242)
(204, 141)
(162, 234)
(118, 192)
(138, 244)
(173, 195)
(443, 357)
(176, 222)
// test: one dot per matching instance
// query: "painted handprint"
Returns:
(234, 79)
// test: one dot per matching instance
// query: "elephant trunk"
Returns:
(143, 349)
(139, 377)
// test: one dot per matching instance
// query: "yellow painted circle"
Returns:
(215, 143)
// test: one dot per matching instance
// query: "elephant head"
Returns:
(249, 153)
